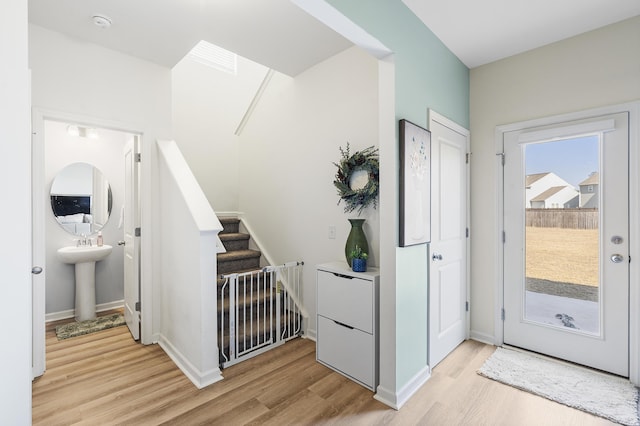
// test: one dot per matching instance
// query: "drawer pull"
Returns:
(343, 324)
(342, 276)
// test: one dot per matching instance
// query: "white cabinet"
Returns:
(347, 334)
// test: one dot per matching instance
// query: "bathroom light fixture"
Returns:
(102, 21)
(91, 133)
(73, 130)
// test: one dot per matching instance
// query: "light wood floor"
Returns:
(106, 378)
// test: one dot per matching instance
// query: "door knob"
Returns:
(121, 243)
(36, 270)
(617, 258)
(436, 256)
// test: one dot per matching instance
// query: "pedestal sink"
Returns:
(85, 258)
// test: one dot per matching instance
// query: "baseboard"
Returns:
(488, 339)
(198, 378)
(310, 334)
(397, 400)
(56, 316)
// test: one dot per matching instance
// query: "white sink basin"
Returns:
(83, 254)
(84, 258)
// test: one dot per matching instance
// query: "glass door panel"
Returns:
(562, 242)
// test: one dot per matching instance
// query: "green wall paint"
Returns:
(427, 75)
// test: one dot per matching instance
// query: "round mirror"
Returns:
(81, 199)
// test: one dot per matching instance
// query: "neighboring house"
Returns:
(548, 190)
(557, 197)
(589, 191)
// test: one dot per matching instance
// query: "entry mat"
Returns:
(598, 393)
(79, 328)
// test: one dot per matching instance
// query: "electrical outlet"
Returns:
(332, 232)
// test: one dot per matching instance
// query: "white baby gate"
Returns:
(258, 311)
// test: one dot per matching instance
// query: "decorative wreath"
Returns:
(366, 160)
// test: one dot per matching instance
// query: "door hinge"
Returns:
(138, 232)
(501, 154)
(137, 307)
(138, 157)
(504, 237)
(466, 306)
(502, 315)
(467, 233)
(467, 157)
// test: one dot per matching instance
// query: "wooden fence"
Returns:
(562, 218)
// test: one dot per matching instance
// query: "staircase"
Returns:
(238, 258)
(255, 310)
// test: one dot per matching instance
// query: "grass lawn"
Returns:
(563, 255)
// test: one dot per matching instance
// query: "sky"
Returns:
(571, 159)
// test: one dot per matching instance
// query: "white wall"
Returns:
(15, 254)
(287, 172)
(81, 78)
(595, 69)
(188, 270)
(208, 106)
(105, 153)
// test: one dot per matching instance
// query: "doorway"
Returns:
(566, 240)
(60, 142)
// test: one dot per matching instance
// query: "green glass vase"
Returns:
(356, 238)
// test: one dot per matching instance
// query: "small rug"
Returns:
(89, 326)
(604, 395)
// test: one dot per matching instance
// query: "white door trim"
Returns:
(634, 219)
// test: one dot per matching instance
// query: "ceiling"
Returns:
(488, 30)
(278, 34)
(274, 33)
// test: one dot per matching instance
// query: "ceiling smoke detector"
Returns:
(101, 21)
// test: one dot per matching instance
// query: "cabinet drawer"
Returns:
(349, 351)
(348, 300)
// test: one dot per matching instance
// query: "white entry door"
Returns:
(131, 246)
(448, 307)
(566, 241)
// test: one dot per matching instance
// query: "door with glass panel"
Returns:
(566, 241)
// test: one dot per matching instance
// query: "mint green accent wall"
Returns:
(412, 277)
(427, 75)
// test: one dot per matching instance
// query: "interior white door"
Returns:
(131, 246)
(38, 253)
(566, 281)
(448, 319)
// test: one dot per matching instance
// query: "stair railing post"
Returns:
(278, 305)
(233, 339)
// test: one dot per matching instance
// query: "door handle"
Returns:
(36, 270)
(617, 258)
(436, 256)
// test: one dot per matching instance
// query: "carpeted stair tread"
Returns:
(254, 334)
(233, 236)
(258, 300)
(235, 241)
(229, 225)
(238, 254)
(238, 260)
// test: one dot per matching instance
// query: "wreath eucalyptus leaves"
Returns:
(365, 160)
